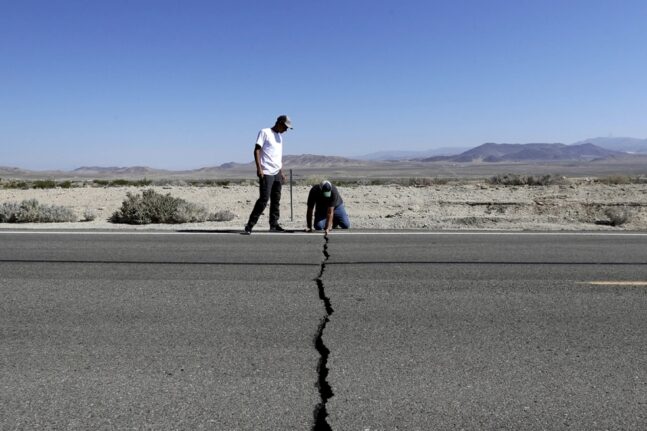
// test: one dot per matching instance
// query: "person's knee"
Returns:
(343, 224)
(320, 224)
(341, 219)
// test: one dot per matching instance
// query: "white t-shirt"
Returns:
(271, 151)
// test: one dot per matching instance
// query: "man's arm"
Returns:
(257, 159)
(329, 216)
(309, 219)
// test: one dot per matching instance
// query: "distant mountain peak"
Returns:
(399, 155)
(115, 171)
(627, 145)
(492, 153)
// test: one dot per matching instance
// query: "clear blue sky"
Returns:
(187, 84)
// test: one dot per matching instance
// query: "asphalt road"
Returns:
(218, 331)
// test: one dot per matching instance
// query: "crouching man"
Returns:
(328, 206)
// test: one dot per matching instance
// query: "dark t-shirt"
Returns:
(316, 197)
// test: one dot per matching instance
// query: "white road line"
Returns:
(616, 283)
(299, 233)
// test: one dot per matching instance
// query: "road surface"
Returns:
(419, 331)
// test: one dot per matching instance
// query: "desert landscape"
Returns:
(579, 204)
(534, 187)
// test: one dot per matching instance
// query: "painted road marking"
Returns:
(616, 283)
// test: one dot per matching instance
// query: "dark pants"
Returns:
(269, 188)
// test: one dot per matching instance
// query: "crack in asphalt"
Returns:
(325, 391)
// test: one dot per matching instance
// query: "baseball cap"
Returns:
(326, 187)
(284, 119)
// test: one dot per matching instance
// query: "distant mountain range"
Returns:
(627, 145)
(312, 160)
(595, 149)
(411, 155)
(303, 161)
(133, 170)
(495, 153)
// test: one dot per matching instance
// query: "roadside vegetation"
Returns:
(498, 180)
(619, 215)
(528, 180)
(31, 211)
(152, 207)
(223, 215)
(613, 180)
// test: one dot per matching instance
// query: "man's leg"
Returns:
(264, 188)
(320, 220)
(340, 218)
(275, 200)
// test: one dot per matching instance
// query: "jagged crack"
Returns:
(324, 298)
(325, 391)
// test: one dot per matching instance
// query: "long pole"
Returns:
(291, 207)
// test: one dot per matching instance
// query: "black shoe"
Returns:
(276, 228)
(248, 230)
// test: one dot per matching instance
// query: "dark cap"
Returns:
(284, 119)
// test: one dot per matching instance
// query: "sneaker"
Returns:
(276, 228)
(248, 230)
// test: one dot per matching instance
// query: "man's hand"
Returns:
(259, 174)
(282, 177)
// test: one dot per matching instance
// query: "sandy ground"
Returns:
(581, 206)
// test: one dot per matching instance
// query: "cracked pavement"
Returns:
(325, 391)
(220, 331)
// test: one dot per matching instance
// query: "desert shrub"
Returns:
(210, 183)
(13, 184)
(189, 213)
(399, 181)
(89, 215)
(527, 180)
(469, 221)
(44, 184)
(153, 207)
(350, 182)
(422, 181)
(142, 183)
(508, 180)
(65, 184)
(120, 182)
(30, 211)
(222, 215)
(613, 180)
(618, 215)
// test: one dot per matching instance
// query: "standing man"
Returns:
(268, 155)
(328, 208)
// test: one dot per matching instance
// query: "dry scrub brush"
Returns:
(618, 215)
(30, 211)
(153, 207)
(223, 215)
(527, 180)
